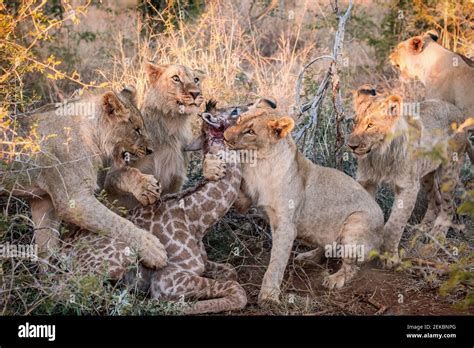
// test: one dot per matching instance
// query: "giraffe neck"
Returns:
(215, 198)
(220, 195)
(203, 204)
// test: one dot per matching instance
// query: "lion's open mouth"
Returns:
(362, 152)
(134, 155)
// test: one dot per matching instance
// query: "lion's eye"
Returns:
(370, 125)
(249, 131)
(176, 78)
(138, 130)
(196, 80)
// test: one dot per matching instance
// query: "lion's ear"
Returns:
(394, 105)
(154, 72)
(113, 108)
(416, 44)
(265, 103)
(282, 126)
(433, 34)
(129, 92)
(362, 96)
(365, 90)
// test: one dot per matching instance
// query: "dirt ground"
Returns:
(374, 291)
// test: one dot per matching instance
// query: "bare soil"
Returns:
(374, 291)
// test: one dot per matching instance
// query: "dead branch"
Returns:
(314, 105)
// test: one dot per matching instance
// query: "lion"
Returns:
(408, 151)
(80, 138)
(322, 207)
(446, 75)
(173, 98)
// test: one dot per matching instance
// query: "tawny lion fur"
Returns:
(77, 141)
(446, 75)
(408, 151)
(172, 99)
(316, 205)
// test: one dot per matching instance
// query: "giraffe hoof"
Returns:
(231, 273)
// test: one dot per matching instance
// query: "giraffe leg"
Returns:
(214, 270)
(212, 296)
(92, 253)
(220, 271)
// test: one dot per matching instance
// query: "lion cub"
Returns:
(320, 206)
(408, 150)
(446, 75)
(170, 103)
(78, 139)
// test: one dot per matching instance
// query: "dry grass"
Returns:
(243, 59)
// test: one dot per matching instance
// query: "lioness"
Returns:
(406, 151)
(446, 75)
(78, 139)
(173, 98)
(319, 206)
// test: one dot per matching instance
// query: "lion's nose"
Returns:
(228, 135)
(195, 94)
(352, 146)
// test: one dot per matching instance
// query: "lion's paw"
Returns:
(151, 251)
(148, 190)
(390, 260)
(268, 298)
(334, 281)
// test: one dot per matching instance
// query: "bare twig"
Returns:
(331, 75)
(441, 247)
